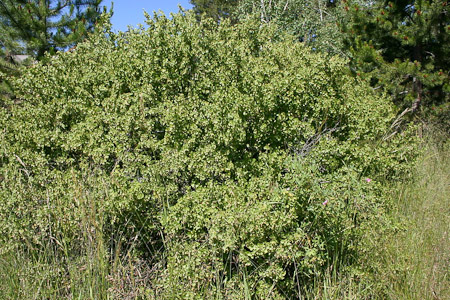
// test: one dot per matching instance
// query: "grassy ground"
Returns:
(422, 250)
(411, 262)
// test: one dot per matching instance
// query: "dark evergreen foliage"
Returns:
(39, 26)
(402, 46)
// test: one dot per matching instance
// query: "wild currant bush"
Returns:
(234, 157)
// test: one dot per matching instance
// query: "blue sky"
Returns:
(131, 12)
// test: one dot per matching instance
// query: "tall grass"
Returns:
(56, 270)
(422, 250)
(409, 261)
(82, 270)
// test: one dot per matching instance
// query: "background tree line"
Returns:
(401, 47)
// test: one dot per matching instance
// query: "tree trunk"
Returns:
(417, 84)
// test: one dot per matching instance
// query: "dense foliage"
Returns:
(400, 47)
(229, 156)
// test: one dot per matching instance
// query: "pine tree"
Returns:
(8, 67)
(41, 26)
(37, 27)
(402, 46)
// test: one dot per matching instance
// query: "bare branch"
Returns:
(312, 141)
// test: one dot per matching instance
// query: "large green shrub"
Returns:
(236, 159)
